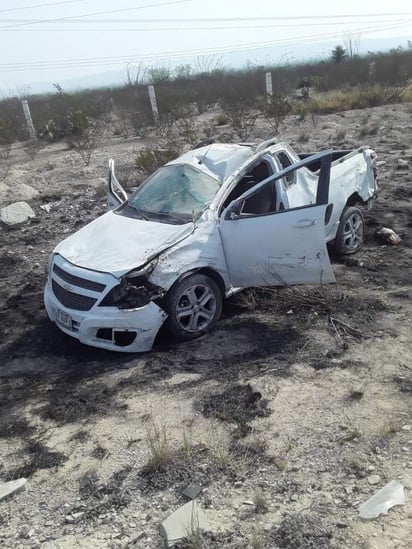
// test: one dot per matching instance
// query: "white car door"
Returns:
(280, 248)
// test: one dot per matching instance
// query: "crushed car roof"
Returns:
(218, 160)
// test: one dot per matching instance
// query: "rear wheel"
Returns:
(194, 306)
(349, 238)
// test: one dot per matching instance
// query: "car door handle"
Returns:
(303, 223)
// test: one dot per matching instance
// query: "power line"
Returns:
(100, 13)
(77, 19)
(168, 56)
(43, 5)
(193, 29)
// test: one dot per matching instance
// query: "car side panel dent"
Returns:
(203, 249)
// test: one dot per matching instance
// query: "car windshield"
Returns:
(177, 194)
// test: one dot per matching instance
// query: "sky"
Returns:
(54, 41)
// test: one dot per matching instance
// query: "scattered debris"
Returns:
(389, 236)
(184, 522)
(74, 517)
(342, 329)
(135, 538)
(390, 495)
(12, 487)
(46, 207)
(192, 490)
(16, 214)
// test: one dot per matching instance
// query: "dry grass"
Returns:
(322, 299)
(407, 94)
(357, 98)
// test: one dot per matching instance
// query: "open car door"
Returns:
(280, 248)
(116, 195)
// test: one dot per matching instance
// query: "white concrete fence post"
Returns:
(153, 103)
(29, 121)
(269, 88)
(372, 71)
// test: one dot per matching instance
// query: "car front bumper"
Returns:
(124, 330)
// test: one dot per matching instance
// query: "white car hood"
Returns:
(116, 244)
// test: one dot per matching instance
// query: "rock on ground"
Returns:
(16, 214)
(12, 487)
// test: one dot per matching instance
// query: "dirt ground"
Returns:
(109, 441)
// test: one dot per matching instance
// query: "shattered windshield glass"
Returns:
(175, 194)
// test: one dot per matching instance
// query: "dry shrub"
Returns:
(149, 159)
(318, 298)
(275, 109)
(357, 98)
(240, 114)
(302, 531)
(86, 137)
(407, 94)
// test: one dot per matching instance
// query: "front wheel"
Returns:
(349, 238)
(194, 306)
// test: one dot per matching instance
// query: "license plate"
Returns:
(64, 319)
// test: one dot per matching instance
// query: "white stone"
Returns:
(16, 214)
(374, 479)
(180, 378)
(12, 487)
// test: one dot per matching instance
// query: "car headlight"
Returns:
(142, 272)
(135, 290)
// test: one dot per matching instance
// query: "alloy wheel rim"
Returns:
(196, 308)
(353, 232)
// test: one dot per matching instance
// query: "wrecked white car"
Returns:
(219, 218)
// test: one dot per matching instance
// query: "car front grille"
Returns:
(78, 281)
(72, 300)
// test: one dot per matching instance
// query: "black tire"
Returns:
(349, 238)
(194, 306)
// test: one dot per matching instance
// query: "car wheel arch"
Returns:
(207, 271)
(354, 200)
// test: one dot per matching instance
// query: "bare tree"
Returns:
(206, 64)
(351, 41)
(134, 74)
